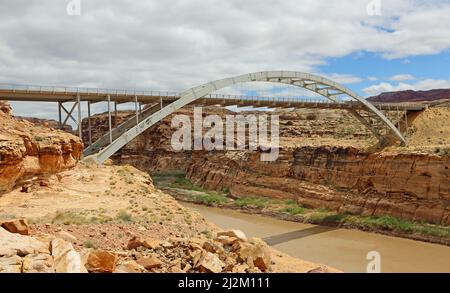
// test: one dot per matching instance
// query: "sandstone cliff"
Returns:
(410, 186)
(27, 150)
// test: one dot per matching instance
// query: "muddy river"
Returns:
(340, 248)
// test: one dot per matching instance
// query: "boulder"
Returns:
(129, 267)
(186, 268)
(134, 243)
(66, 236)
(16, 244)
(149, 262)
(226, 240)
(209, 263)
(258, 253)
(241, 268)
(151, 243)
(176, 270)
(66, 259)
(38, 263)
(213, 247)
(233, 233)
(19, 226)
(101, 261)
(11, 264)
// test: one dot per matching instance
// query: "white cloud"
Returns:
(344, 78)
(426, 84)
(372, 78)
(402, 77)
(174, 45)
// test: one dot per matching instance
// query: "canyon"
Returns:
(327, 160)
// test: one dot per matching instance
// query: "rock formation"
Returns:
(27, 150)
(46, 123)
(410, 186)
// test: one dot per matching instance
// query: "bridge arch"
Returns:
(318, 84)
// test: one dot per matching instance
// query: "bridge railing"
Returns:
(86, 90)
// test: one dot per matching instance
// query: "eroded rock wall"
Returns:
(412, 186)
(27, 150)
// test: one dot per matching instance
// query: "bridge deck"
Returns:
(93, 95)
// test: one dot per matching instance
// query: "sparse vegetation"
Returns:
(124, 216)
(212, 199)
(207, 233)
(89, 244)
(70, 217)
(295, 210)
(185, 183)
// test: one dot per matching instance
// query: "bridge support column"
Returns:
(89, 123)
(115, 114)
(406, 121)
(69, 114)
(136, 108)
(59, 115)
(109, 119)
(80, 131)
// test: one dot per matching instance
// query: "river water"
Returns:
(343, 249)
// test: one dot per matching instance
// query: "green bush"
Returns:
(295, 210)
(212, 199)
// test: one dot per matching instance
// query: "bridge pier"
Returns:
(89, 123)
(80, 134)
(136, 108)
(115, 114)
(109, 119)
(59, 115)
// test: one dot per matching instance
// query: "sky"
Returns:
(371, 46)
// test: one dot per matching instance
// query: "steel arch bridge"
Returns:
(320, 85)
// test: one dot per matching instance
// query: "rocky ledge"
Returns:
(28, 150)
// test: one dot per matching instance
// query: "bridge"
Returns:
(385, 120)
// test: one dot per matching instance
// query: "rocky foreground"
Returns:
(112, 219)
(170, 239)
(229, 251)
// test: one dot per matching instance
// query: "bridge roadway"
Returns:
(35, 93)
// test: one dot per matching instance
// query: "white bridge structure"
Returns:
(162, 104)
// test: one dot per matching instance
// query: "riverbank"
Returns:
(182, 189)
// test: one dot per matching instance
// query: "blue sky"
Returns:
(371, 66)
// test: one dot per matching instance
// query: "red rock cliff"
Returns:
(27, 150)
(412, 186)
